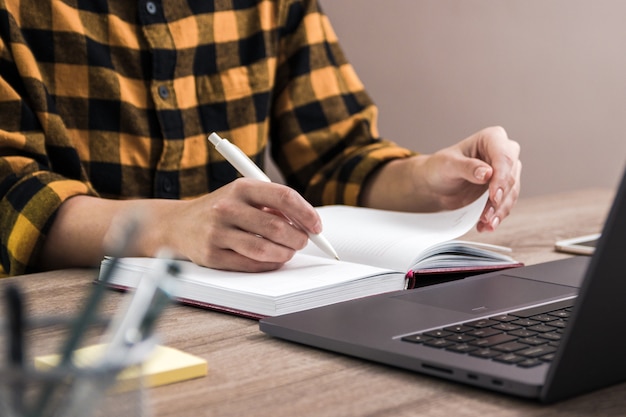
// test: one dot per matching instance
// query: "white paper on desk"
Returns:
(391, 239)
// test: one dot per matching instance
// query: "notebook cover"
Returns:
(424, 277)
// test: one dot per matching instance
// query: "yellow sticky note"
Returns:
(165, 365)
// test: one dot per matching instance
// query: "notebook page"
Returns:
(391, 239)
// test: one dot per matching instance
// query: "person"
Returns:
(105, 108)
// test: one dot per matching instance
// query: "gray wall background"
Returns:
(552, 72)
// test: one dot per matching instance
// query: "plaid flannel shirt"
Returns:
(115, 98)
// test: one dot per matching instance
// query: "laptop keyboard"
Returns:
(524, 338)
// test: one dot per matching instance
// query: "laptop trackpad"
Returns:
(480, 296)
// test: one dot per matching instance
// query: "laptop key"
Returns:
(506, 327)
(485, 353)
(460, 338)
(553, 336)
(486, 332)
(459, 328)
(542, 328)
(510, 347)
(493, 340)
(564, 314)
(534, 341)
(537, 351)
(558, 323)
(438, 343)
(416, 338)
(523, 333)
(462, 348)
(529, 363)
(508, 358)
(526, 322)
(438, 333)
(543, 318)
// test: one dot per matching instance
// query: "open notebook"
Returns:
(380, 251)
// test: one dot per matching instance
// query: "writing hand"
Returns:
(243, 226)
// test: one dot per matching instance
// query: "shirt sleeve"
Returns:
(324, 135)
(39, 168)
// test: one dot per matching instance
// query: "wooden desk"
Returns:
(253, 374)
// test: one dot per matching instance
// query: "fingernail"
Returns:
(498, 196)
(490, 213)
(480, 173)
(317, 228)
(495, 222)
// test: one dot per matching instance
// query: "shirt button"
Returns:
(164, 93)
(167, 185)
(151, 7)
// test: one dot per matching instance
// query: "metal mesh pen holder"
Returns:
(77, 391)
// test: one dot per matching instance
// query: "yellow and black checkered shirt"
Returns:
(115, 98)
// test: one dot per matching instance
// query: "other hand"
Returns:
(453, 177)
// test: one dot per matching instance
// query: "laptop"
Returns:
(547, 332)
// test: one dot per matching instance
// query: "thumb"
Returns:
(477, 171)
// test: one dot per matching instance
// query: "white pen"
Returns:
(249, 169)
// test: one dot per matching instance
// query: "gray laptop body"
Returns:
(589, 355)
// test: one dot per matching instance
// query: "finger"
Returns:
(249, 245)
(230, 260)
(254, 233)
(272, 226)
(504, 158)
(494, 215)
(286, 201)
(510, 197)
(472, 170)
(259, 249)
(230, 248)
